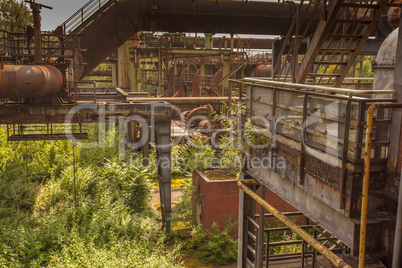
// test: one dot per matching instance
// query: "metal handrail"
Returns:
(84, 13)
(329, 255)
(329, 89)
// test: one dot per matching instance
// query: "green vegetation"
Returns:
(68, 206)
(216, 247)
(14, 16)
(103, 220)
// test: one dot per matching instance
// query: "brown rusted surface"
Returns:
(248, 43)
(100, 73)
(170, 91)
(196, 112)
(215, 80)
(179, 93)
(29, 81)
(125, 17)
(183, 100)
(262, 71)
(196, 90)
(44, 114)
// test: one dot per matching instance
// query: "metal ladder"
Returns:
(341, 34)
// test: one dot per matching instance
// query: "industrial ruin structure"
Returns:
(337, 135)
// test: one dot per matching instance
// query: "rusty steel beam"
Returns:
(219, 42)
(83, 113)
(100, 73)
(202, 16)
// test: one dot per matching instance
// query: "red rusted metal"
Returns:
(100, 73)
(29, 81)
(195, 89)
(179, 93)
(215, 80)
(263, 71)
(169, 92)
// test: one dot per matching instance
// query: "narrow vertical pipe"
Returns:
(37, 32)
(366, 177)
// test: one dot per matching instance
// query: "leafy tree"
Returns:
(14, 16)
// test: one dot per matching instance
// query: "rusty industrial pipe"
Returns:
(29, 81)
(184, 100)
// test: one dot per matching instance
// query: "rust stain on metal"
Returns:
(29, 81)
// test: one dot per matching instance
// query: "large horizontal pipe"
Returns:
(184, 100)
(29, 81)
(126, 17)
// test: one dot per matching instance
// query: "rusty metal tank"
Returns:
(29, 81)
(262, 71)
(384, 65)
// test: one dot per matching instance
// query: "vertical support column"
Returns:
(159, 67)
(202, 77)
(345, 152)
(226, 72)
(145, 149)
(209, 41)
(163, 150)
(276, 49)
(187, 79)
(114, 74)
(124, 63)
(135, 86)
(303, 145)
(37, 32)
(246, 209)
(260, 233)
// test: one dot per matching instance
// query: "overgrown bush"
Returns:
(215, 247)
(102, 220)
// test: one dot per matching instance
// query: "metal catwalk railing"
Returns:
(84, 15)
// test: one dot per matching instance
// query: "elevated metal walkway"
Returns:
(85, 15)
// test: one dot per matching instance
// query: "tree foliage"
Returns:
(14, 16)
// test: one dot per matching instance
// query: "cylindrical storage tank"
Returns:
(29, 81)
(262, 71)
(384, 66)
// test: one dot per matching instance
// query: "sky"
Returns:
(62, 10)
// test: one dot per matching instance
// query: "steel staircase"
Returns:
(336, 43)
(80, 19)
(237, 65)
